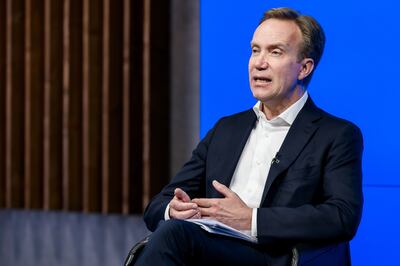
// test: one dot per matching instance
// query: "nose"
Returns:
(261, 62)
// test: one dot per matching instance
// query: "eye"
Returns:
(255, 50)
(276, 52)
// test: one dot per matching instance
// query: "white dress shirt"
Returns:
(252, 170)
(263, 144)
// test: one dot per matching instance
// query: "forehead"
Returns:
(273, 31)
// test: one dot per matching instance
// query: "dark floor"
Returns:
(63, 238)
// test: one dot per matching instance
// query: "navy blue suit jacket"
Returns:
(313, 195)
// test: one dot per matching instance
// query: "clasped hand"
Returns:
(230, 210)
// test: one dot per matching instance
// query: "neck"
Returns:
(275, 107)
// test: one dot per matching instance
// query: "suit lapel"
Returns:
(298, 136)
(237, 139)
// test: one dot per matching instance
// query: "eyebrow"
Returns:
(273, 45)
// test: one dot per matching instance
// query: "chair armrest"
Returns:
(135, 250)
(295, 257)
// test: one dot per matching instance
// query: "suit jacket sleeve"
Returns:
(190, 178)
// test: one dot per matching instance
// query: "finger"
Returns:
(182, 206)
(183, 214)
(221, 188)
(179, 193)
(207, 212)
(196, 216)
(204, 202)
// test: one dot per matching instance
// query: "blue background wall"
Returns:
(356, 79)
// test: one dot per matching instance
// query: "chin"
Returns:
(263, 97)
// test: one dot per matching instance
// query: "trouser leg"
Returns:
(177, 242)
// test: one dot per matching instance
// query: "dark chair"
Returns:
(330, 255)
(135, 250)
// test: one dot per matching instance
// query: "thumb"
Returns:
(182, 195)
(221, 188)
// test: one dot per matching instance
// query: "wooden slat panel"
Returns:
(112, 105)
(15, 103)
(84, 103)
(135, 91)
(72, 106)
(92, 103)
(53, 105)
(2, 102)
(34, 62)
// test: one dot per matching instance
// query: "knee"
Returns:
(170, 228)
(168, 244)
(171, 235)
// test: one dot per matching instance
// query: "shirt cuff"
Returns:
(166, 213)
(254, 222)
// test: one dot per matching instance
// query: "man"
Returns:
(285, 171)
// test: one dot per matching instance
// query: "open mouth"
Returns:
(262, 79)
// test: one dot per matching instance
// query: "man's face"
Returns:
(274, 66)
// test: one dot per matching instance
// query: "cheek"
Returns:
(250, 65)
(295, 70)
(250, 68)
(291, 74)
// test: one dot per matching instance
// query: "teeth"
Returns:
(262, 80)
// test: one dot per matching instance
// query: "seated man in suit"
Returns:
(285, 171)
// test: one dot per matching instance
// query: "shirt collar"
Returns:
(288, 116)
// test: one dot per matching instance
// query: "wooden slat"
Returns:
(2, 102)
(72, 106)
(92, 103)
(159, 93)
(106, 108)
(136, 115)
(14, 197)
(155, 87)
(15, 103)
(126, 106)
(146, 103)
(53, 105)
(34, 62)
(115, 105)
(85, 106)
(112, 105)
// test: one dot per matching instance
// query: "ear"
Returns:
(307, 66)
